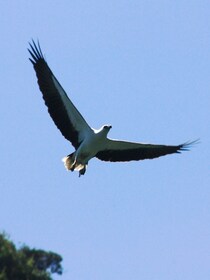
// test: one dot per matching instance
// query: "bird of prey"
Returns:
(88, 142)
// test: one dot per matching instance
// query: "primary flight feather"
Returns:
(88, 142)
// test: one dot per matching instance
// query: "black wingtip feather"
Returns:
(35, 52)
(187, 145)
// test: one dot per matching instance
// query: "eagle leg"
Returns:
(82, 171)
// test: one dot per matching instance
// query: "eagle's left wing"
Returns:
(116, 150)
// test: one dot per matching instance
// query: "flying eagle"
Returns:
(88, 142)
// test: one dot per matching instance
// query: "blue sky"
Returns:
(144, 67)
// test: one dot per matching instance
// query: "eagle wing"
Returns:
(63, 112)
(116, 150)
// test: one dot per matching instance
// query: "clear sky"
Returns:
(144, 67)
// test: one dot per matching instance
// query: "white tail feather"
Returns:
(71, 164)
(69, 161)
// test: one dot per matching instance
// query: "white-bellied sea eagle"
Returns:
(88, 142)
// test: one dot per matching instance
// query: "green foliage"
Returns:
(26, 263)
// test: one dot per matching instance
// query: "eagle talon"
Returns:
(82, 171)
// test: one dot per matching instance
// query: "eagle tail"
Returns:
(70, 163)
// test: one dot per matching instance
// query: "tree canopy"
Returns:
(25, 263)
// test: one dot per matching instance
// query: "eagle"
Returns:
(88, 142)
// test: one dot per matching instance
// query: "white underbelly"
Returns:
(89, 149)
